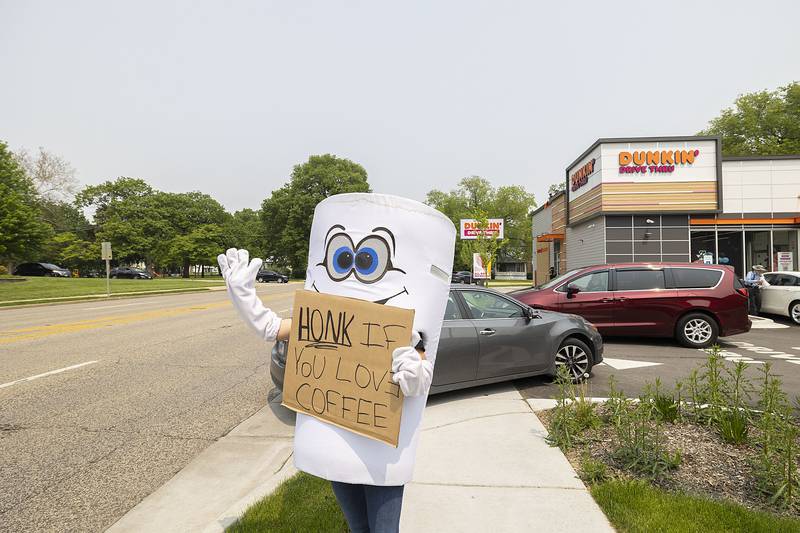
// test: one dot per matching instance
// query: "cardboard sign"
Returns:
(339, 362)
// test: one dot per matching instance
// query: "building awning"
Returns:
(713, 221)
(550, 237)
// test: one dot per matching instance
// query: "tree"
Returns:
(556, 188)
(21, 231)
(286, 215)
(65, 216)
(70, 251)
(244, 230)
(52, 175)
(142, 223)
(475, 197)
(760, 123)
(102, 198)
(200, 246)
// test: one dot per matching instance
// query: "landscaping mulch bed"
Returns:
(709, 466)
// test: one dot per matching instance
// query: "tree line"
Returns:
(43, 216)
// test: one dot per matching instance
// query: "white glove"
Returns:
(413, 373)
(240, 278)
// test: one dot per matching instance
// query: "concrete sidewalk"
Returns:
(482, 465)
(213, 490)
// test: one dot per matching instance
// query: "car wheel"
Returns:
(794, 312)
(697, 330)
(577, 357)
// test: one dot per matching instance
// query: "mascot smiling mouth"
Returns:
(381, 302)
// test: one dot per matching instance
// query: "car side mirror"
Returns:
(572, 290)
(530, 313)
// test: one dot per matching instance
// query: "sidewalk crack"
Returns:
(474, 418)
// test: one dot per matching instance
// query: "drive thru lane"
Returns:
(102, 402)
(636, 361)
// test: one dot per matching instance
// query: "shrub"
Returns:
(775, 466)
(617, 403)
(593, 471)
(665, 407)
(713, 385)
(563, 427)
(733, 426)
(641, 444)
(572, 414)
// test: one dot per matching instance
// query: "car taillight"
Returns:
(742, 291)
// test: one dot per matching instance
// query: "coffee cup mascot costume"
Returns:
(388, 250)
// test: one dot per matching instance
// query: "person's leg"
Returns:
(383, 508)
(352, 500)
(758, 299)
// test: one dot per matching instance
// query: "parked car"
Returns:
(41, 269)
(462, 276)
(781, 295)
(265, 276)
(488, 337)
(692, 302)
(129, 273)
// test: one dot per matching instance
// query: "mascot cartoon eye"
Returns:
(339, 257)
(373, 259)
(369, 261)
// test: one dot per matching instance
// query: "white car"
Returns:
(781, 294)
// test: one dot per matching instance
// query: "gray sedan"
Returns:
(488, 337)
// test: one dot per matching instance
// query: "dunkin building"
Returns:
(670, 199)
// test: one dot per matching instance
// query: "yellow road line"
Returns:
(38, 332)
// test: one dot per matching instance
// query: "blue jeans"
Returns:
(370, 508)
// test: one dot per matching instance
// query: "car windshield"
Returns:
(52, 266)
(559, 279)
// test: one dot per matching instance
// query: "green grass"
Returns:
(634, 507)
(38, 288)
(301, 503)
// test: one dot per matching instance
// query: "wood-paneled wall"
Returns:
(683, 196)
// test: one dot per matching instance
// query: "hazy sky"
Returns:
(226, 97)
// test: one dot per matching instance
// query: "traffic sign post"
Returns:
(105, 253)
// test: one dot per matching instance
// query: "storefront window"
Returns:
(756, 246)
(784, 250)
(729, 244)
(703, 244)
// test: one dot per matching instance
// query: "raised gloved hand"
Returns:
(240, 279)
(411, 372)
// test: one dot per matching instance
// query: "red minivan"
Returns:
(692, 302)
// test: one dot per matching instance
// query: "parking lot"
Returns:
(634, 362)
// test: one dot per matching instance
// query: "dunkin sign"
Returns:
(655, 161)
(580, 177)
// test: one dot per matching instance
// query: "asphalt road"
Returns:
(150, 382)
(161, 378)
